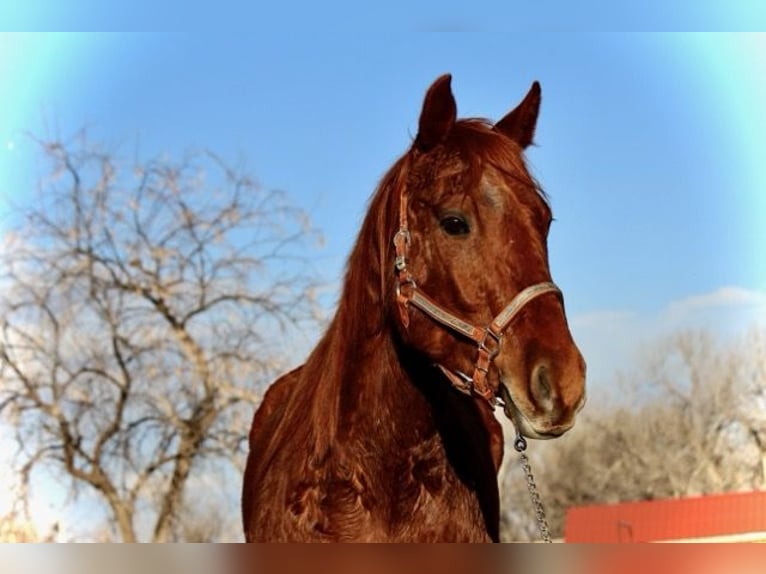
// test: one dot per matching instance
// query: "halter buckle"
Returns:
(403, 235)
(401, 241)
(494, 352)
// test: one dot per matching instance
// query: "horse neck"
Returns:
(374, 377)
(375, 389)
(357, 378)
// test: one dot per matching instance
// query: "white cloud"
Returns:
(729, 296)
(725, 311)
(613, 341)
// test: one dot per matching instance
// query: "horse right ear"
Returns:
(438, 114)
(519, 124)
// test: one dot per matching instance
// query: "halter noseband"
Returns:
(488, 339)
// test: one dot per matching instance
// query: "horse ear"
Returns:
(519, 124)
(438, 114)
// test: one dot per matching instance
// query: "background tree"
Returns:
(694, 422)
(143, 308)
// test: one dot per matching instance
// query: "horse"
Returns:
(387, 432)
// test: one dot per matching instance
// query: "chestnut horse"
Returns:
(387, 432)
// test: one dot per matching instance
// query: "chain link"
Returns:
(537, 503)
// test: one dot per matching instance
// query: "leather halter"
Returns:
(488, 339)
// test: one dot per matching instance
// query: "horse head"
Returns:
(473, 283)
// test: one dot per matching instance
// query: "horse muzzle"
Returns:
(545, 410)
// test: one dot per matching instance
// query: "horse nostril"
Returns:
(542, 390)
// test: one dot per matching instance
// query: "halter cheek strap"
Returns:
(488, 339)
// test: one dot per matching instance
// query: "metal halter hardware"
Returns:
(489, 339)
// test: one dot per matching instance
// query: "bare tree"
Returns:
(694, 423)
(140, 309)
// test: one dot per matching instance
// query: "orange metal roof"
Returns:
(670, 519)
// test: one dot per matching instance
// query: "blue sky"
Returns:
(296, 17)
(650, 145)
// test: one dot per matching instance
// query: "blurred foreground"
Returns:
(378, 559)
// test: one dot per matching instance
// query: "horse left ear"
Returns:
(519, 124)
(438, 114)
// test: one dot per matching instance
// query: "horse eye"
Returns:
(454, 225)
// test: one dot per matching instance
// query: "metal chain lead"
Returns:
(520, 444)
(542, 522)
